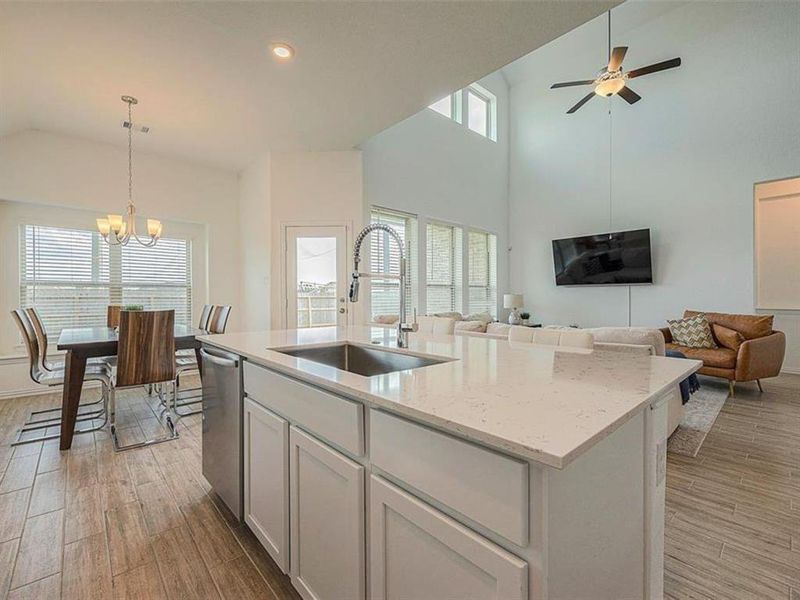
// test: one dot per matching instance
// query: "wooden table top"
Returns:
(87, 338)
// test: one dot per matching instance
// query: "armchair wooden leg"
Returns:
(760, 389)
(731, 388)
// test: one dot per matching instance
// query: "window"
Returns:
(444, 267)
(384, 258)
(71, 276)
(482, 266)
(481, 109)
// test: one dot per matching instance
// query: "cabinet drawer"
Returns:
(335, 419)
(483, 485)
(418, 552)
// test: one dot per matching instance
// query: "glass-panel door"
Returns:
(316, 276)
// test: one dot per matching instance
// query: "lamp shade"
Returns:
(512, 300)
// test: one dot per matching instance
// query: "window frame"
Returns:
(101, 257)
(491, 269)
(457, 266)
(459, 108)
(412, 247)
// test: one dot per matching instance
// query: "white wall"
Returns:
(42, 170)
(255, 231)
(683, 161)
(313, 188)
(433, 167)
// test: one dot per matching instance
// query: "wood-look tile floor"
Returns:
(91, 523)
(733, 511)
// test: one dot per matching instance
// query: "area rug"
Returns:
(699, 415)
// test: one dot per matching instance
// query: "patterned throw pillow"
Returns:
(693, 332)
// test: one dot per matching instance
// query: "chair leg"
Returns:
(760, 389)
(731, 387)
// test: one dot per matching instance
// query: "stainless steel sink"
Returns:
(362, 359)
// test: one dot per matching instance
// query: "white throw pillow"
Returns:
(498, 328)
(484, 316)
(479, 326)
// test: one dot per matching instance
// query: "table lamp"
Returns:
(514, 302)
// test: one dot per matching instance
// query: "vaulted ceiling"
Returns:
(210, 91)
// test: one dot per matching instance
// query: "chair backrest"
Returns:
(41, 336)
(205, 316)
(146, 350)
(31, 343)
(219, 319)
(112, 315)
(564, 338)
(436, 325)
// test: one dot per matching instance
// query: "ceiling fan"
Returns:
(612, 80)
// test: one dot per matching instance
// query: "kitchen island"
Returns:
(501, 470)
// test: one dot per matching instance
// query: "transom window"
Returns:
(71, 276)
(477, 103)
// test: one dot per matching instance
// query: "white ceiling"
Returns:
(210, 92)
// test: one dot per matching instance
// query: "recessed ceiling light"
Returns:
(281, 51)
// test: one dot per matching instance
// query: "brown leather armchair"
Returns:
(748, 348)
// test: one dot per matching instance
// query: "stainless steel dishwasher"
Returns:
(222, 426)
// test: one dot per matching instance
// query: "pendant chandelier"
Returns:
(116, 229)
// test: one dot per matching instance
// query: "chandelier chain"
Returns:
(130, 154)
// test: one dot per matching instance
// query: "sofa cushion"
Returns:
(456, 316)
(693, 332)
(484, 316)
(750, 326)
(498, 328)
(722, 358)
(641, 336)
(479, 326)
(727, 337)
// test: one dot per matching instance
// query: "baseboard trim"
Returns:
(791, 371)
(32, 391)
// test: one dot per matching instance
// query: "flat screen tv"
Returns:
(619, 258)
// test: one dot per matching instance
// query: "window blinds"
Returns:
(71, 276)
(444, 272)
(482, 265)
(385, 258)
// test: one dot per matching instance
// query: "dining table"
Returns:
(83, 343)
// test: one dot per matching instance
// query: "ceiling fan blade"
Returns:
(583, 101)
(629, 95)
(667, 64)
(617, 56)
(571, 83)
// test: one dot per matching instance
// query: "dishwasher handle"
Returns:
(221, 361)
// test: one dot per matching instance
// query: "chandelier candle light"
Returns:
(116, 229)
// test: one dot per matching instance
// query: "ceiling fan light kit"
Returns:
(612, 80)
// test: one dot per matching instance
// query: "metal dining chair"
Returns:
(49, 366)
(54, 376)
(145, 356)
(217, 322)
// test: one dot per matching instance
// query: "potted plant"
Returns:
(137, 307)
(525, 316)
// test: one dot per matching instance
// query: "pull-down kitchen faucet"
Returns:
(402, 327)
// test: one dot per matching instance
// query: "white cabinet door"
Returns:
(266, 480)
(327, 521)
(419, 553)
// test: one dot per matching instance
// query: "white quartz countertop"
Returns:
(539, 402)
